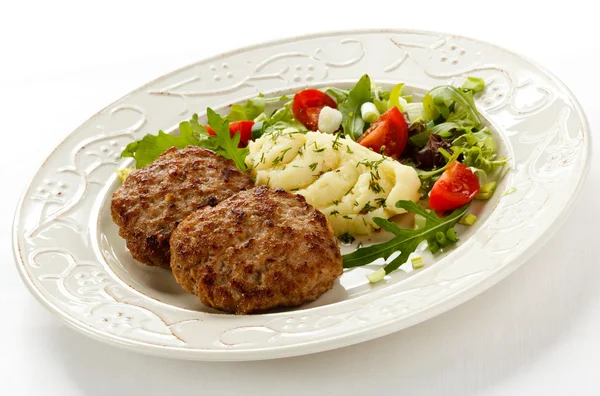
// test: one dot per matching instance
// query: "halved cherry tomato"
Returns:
(456, 187)
(243, 127)
(307, 106)
(390, 130)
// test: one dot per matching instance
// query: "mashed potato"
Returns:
(349, 183)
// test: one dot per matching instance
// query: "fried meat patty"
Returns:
(259, 249)
(153, 200)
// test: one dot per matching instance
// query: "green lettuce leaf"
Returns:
(248, 111)
(474, 84)
(478, 150)
(339, 95)
(253, 109)
(415, 111)
(150, 147)
(395, 95)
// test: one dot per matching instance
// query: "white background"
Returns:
(535, 333)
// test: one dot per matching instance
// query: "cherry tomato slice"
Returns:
(390, 130)
(307, 106)
(456, 187)
(244, 128)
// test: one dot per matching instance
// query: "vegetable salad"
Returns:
(441, 137)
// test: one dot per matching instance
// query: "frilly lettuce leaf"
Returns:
(247, 111)
(150, 147)
(191, 133)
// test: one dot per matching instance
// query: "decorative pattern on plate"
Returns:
(56, 232)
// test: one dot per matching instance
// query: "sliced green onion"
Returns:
(257, 129)
(489, 187)
(419, 221)
(474, 84)
(486, 191)
(468, 220)
(440, 237)
(451, 235)
(433, 246)
(417, 262)
(376, 276)
(509, 191)
(369, 112)
(124, 173)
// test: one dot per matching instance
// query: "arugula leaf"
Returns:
(352, 122)
(405, 240)
(227, 146)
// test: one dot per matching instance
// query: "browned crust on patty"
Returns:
(153, 200)
(260, 249)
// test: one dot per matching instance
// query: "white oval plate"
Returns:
(71, 258)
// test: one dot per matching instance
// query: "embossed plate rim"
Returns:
(359, 335)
